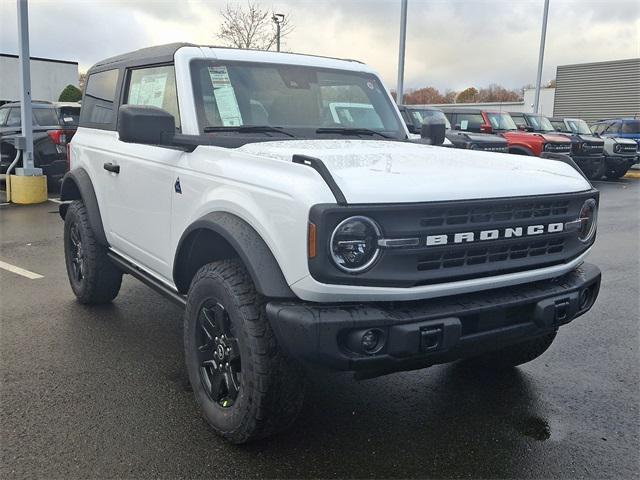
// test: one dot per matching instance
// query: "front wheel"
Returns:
(614, 173)
(245, 385)
(93, 278)
(514, 355)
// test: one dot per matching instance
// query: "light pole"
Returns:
(25, 92)
(536, 102)
(278, 19)
(403, 38)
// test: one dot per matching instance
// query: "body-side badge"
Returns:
(177, 186)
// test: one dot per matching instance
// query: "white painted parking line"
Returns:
(20, 271)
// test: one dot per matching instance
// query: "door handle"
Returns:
(111, 167)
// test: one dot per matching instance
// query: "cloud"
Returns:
(450, 44)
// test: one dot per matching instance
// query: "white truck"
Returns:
(222, 179)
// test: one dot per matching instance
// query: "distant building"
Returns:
(594, 91)
(48, 78)
(546, 103)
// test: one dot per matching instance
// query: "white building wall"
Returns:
(48, 78)
(547, 99)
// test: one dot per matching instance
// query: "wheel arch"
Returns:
(76, 185)
(219, 236)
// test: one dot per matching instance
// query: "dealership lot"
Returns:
(102, 392)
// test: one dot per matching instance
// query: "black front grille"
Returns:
(458, 240)
(502, 253)
(494, 148)
(474, 215)
(593, 148)
(558, 147)
(629, 149)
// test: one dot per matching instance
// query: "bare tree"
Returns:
(251, 27)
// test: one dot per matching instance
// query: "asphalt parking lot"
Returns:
(102, 392)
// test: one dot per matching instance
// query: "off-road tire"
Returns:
(271, 387)
(514, 355)
(614, 173)
(100, 281)
(597, 173)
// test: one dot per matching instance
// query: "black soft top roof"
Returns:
(143, 56)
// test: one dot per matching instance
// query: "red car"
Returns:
(520, 142)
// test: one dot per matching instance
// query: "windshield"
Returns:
(540, 123)
(578, 126)
(418, 117)
(501, 121)
(298, 99)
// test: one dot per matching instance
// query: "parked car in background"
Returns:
(619, 152)
(54, 124)
(621, 128)
(415, 116)
(586, 150)
(519, 142)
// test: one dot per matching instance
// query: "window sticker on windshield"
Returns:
(68, 119)
(149, 91)
(464, 124)
(225, 97)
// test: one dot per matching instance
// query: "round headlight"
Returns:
(617, 148)
(588, 218)
(354, 244)
(474, 146)
(547, 146)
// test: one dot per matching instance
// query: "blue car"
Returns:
(619, 127)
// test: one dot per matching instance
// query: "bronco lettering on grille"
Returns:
(484, 235)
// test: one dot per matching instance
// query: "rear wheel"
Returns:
(93, 278)
(245, 385)
(514, 355)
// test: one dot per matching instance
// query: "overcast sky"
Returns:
(450, 43)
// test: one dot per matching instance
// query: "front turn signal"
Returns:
(313, 250)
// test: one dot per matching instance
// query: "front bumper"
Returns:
(427, 332)
(589, 163)
(620, 161)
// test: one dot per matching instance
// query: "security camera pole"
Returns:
(278, 18)
(536, 102)
(403, 37)
(26, 142)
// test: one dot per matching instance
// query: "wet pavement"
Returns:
(92, 392)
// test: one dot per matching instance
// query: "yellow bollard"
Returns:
(26, 190)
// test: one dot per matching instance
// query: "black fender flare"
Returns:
(76, 185)
(247, 243)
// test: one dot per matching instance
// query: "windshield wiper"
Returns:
(351, 131)
(249, 129)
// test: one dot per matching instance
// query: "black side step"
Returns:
(319, 166)
(147, 279)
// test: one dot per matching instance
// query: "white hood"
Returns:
(369, 171)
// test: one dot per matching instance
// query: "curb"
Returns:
(634, 174)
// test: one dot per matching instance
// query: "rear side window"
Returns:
(469, 121)
(98, 108)
(14, 120)
(631, 126)
(4, 113)
(45, 117)
(154, 87)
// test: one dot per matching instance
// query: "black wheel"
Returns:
(597, 173)
(514, 355)
(93, 278)
(614, 173)
(245, 385)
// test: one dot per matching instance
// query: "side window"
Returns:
(154, 87)
(519, 120)
(98, 107)
(13, 120)
(4, 113)
(45, 117)
(469, 121)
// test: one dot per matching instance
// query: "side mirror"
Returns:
(525, 128)
(146, 125)
(433, 130)
(486, 129)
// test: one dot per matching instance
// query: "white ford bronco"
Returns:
(292, 236)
